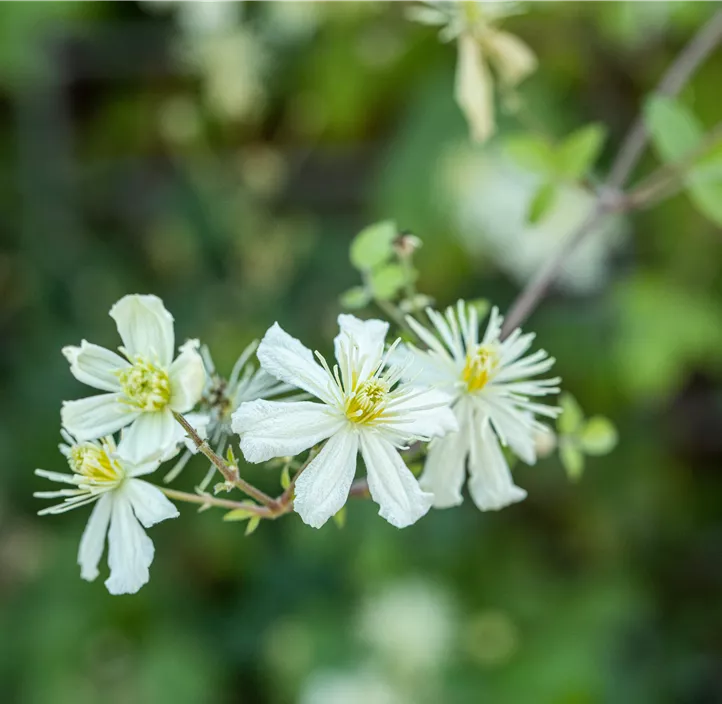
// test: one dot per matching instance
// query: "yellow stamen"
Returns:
(368, 401)
(93, 462)
(146, 386)
(481, 364)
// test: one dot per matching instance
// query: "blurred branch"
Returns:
(669, 178)
(610, 198)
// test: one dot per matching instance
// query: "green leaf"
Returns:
(599, 436)
(542, 202)
(572, 460)
(252, 525)
(531, 152)
(675, 131)
(286, 477)
(707, 197)
(571, 418)
(373, 245)
(339, 518)
(239, 514)
(481, 305)
(418, 302)
(387, 281)
(355, 298)
(579, 152)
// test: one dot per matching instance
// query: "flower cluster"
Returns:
(464, 395)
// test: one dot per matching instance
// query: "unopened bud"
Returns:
(406, 244)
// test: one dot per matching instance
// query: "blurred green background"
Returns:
(223, 157)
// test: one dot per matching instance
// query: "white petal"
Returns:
(130, 550)
(285, 358)
(149, 503)
(513, 59)
(491, 485)
(145, 327)
(323, 487)
(95, 366)
(93, 541)
(445, 467)
(96, 416)
(366, 336)
(187, 379)
(152, 435)
(391, 484)
(280, 428)
(474, 89)
(516, 428)
(425, 414)
(426, 15)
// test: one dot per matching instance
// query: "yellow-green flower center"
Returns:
(472, 11)
(481, 364)
(93, 462)
(368, 401)
(145, 385)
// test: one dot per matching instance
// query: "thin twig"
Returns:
(286, 499)
(229, 473)
(669, 178)
(610, 198)
(360, 489)
(207, 500)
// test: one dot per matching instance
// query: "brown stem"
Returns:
(206, 500)
(669, 178)
(229, 473)
(360, 489)
(610, 198)
(286, 499)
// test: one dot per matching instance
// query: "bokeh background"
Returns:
(223, 157)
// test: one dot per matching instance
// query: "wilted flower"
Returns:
(122, 503)
(364, 407)
(473, 24)
(491, 383)
(143, 389)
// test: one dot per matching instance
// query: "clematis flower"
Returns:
(123, 502)
(490, 383)
(364, 406)
(143, 387)
(221, 397)
(473, 24)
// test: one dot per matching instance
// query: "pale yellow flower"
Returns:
(481, 44)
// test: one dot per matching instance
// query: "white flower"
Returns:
(489, 197)
(472, 24)
(365, 685)
(491, 384)
(122, 503)
(143, 389)
(363, 408)
(221, 397)
(411, 625)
